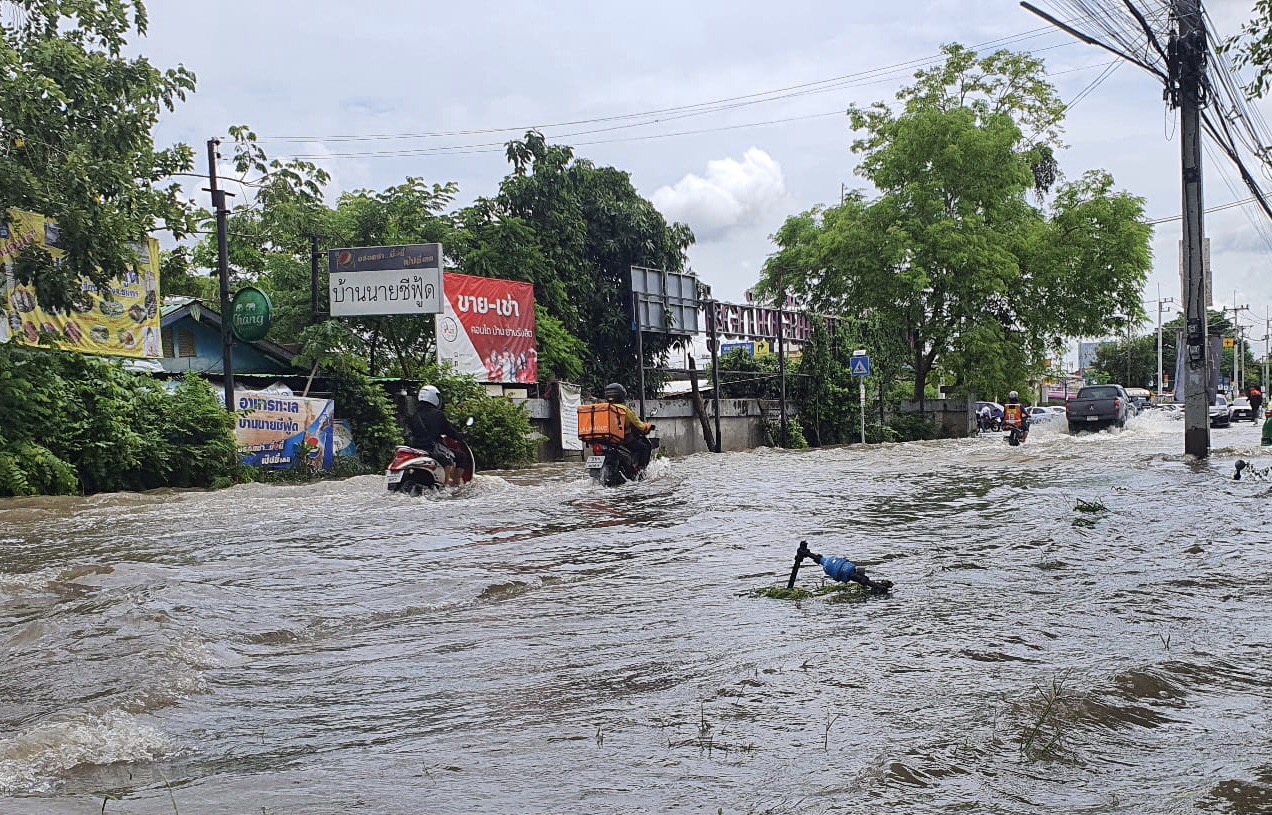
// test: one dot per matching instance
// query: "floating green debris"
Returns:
(842, 592)
(1090, 506)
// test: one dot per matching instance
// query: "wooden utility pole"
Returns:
(223, 270)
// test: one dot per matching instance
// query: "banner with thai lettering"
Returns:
(126, 325)
(486, 329)
(280, 432)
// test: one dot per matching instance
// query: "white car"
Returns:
(1040, 413)
(1220, 413)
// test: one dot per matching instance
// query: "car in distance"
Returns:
(1097, 407)
(1241, 409)
(1220, 413)
(1042, 413)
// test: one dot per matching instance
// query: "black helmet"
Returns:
(615, 392)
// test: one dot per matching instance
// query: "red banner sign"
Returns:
(486, 328)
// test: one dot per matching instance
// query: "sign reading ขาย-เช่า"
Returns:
(487, 329)
(382, 280)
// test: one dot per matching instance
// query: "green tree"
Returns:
(979, 281)
(590, 227)
(1253, 48)
(76, 143)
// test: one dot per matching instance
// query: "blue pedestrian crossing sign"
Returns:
(860, 366)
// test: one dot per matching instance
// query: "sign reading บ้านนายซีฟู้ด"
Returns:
(277, 431)
(123, 324)
(486, 329)
(383, 280)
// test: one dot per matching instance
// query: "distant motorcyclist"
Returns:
(985, 418)
(1014, 413)
(427, 427)
(637, 430)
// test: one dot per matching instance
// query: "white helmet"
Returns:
(432, 395)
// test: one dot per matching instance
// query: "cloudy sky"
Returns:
(434, 89)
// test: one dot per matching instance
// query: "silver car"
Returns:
(1220, 412)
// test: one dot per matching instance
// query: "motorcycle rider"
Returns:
(1014, 413)
(426, 428)
(1256, 402)
(637, 430)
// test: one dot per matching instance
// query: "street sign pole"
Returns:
(859, 366)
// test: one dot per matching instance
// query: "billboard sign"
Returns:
(748, 346)
(276, 430)
(486, 329)
(380, 280)
(665, 301)
(125, 325)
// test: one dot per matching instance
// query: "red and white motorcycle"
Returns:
(414, 471)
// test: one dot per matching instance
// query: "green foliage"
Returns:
(78, 424)
(1253, 48)
(951, 254)
(911, 427)
(744, 376)
(76, 133)
(794, 433)
(500, 436)
(370, 412)
(1133, 363)
(561, 353)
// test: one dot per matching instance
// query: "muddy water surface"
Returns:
(535, 644)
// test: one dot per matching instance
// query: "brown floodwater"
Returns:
(535, 644)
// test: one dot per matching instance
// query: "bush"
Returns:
(794, 433)
(501, 436)
(74, 423)
(912, 427)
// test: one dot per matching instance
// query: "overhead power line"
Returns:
(858, 78)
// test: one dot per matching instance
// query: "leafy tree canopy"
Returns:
(978, 279)
(75, 139)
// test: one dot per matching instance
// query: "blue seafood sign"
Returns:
(379, 280)
(280, 431)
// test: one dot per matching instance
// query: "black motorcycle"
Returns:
(614, 464)
(1016, 434)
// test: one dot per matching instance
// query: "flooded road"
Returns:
(538, 645)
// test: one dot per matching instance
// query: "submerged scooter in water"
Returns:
(1016, 434)
(414, 471)
(612, 464)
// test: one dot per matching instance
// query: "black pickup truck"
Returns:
(1097, 407)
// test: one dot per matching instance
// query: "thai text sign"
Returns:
(752, 322)
(125, 325)
(486, 329)
(385, 280)
(280, 432)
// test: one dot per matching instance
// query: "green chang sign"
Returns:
(251, 314)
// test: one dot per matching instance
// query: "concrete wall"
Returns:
(679, 430)
(955, 415)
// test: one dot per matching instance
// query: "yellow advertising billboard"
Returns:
(126, 325)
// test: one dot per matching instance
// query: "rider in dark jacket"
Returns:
(427, 427)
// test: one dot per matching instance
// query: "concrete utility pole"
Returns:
(1189, 71)
(1267, 349)
(223, 269)
(1161, 301)
(1236, 345)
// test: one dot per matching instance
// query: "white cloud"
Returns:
(731, 194)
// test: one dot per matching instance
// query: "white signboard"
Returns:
(389, 291)
(568, 399)
(1205, 265)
